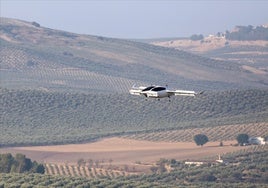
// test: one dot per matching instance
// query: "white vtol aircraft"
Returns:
(159, 92)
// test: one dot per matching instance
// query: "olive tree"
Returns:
(242, 139)
(200, 139)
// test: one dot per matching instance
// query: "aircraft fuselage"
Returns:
(156, 94)
(159, 92)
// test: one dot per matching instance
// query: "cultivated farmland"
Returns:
(64, 102)
(39, 117)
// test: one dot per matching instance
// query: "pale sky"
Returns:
(139, 19)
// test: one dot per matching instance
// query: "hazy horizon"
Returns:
(138, 19)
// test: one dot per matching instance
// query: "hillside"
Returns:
(59, 87)
(251, 53)
(34, 57)
(39, 117)
(245, 45)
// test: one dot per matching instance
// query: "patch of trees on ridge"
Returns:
(19, 164)
(248, 33)
(197, 37)
(241, 33)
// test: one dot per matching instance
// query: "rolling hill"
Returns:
(35, 57)
(59, 87)
(33, 117)
(250, 54)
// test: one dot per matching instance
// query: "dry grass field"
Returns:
(209, 43)
(122, 151)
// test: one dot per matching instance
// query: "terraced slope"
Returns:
(36, 57)
(38, 117)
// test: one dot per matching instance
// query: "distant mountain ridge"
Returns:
(34, 57)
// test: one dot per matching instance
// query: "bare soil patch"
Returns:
(208, 44)
(123, 151)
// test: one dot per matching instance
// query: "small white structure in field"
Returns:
(219, 160)
(256, 140)
(196, 163)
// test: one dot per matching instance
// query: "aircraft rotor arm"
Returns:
(136, 90)
(183, 93)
